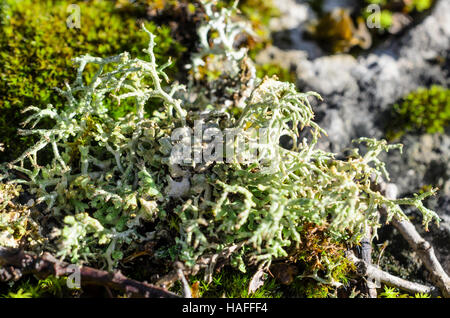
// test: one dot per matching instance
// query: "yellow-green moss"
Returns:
(425, 110)
(231, 283)
(37, 47)
(32, 288)
(322, 262)
(318, 256)
(271, 69)
(392, 292)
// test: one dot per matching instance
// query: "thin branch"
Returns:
(15, 263)
(366, 255)
(209, 263)
(423, 248)
(374, 273)
(186, 288)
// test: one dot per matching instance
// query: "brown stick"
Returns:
(366, 256)
(423, 249)
(15, 263)
(374, 273)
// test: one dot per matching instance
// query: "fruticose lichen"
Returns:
(111, 185)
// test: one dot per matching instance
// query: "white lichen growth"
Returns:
(109, 178)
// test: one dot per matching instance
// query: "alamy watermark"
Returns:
(373, 21)
(210, 144)
(74, 19)
(74, 279)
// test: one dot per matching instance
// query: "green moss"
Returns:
(309, 288)
(231, 283)
(323, 264)
(312, 271)
(271, 69)
(425, 110)
(33, 288)
(392, 292)
(37, 47)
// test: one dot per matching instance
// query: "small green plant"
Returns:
(32, 288)
(231, 283)
(426, 110)
(21, 294)
(389, 292)
(392, 292)
(273, 69)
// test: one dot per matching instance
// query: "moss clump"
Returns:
(37, 48)
(321, 265)
(425, 110)
(271, 69)
(315, 269)
(392, 292)
(33, 288)
(231, 283)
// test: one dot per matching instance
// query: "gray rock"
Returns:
(288, 30)
(330, 5)
(178, 189)
(425, 161)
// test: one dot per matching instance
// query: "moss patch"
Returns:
(426, 110)
(37, 47)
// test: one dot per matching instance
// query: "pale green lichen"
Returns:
(109, 178)
(222, 49)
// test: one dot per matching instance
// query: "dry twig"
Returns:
(373, 273)
(15, 263)
(423, 248)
